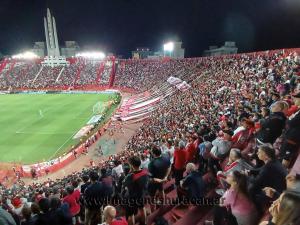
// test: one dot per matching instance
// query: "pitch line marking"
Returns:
(62, 145)
(66, 141)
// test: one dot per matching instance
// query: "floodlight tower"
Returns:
(169, 48)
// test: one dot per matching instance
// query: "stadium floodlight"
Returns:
(25, 55)
(169, 47)
(91, 55)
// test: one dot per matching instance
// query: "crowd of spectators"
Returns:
(144, 74)
(239, 125)
(106, 73)
(28, 74)
(88, 74)
(47, 77)
(68, 76)
(19, 74)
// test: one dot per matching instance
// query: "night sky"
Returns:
(119, 26)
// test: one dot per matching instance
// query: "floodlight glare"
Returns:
(91, 55)
(169, 47)
(25, 55)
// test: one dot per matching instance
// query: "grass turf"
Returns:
(26, 136)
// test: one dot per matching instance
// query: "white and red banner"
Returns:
(174, 80)
(178, 83)
(183, 86)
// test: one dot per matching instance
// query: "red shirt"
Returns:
(119, 221)
(76, 195)
(73, 205)
(191, 152)
(179, 159)
(241, 139)
(292, 110)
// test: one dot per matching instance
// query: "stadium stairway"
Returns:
(24, 71)
(12, 65)
(100, 71)
(3, 65)
(80, 68)
(170, 192)
(181, 215)
(113, 73)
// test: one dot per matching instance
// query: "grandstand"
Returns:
(218, 120)
(89, 136)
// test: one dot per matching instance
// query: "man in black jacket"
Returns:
(86, 183)
(271, 174)
(272, 127)
(136, 185)
(193, 184)
(159, 169)
(94, 197)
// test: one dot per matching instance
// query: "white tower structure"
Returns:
(53, 57)
(51, 35)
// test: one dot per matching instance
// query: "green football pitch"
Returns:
(38, 127)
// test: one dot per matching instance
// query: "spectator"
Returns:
(94, 196)
(221, 146)
(238, 200)
(219, 151)
(45, 217)
(126, 170)
(60, 212)
(86, 183)
(204, 153)
(292, 183)
(135, 184)
(35, 211)
(193, 184)
(271, 128)
(117, 171)
(110, 218)
(145, 161)
(242, 138)
(70, 199)
(271, 174)
(6, 218)
(179, 162)
(291, 141)
(76, 193)
(191, 149)
(55, 193)
(107, 181)
(285, 210)
(26, 214)
(235, 163)
(109, 214)
(159, 169)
